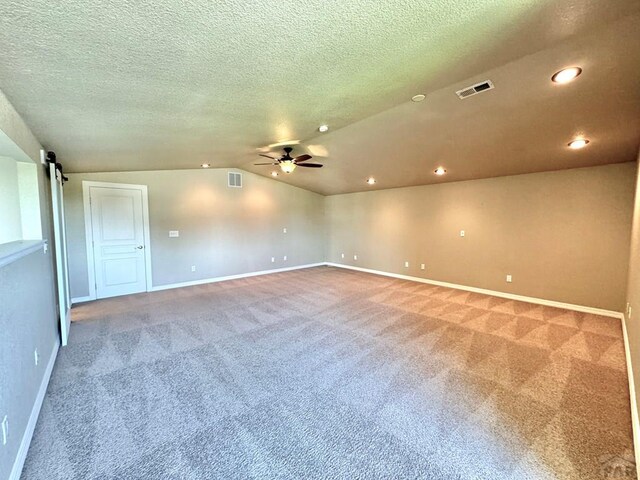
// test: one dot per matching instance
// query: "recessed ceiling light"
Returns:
(440, 171)
(578, 143)
(323, 128)
(274, 174)
(418, 98)
(566, 75)
(205, 165)
(371, 180)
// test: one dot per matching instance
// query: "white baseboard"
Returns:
(16, 471)
(81, 300)
(510, 296)
(635, 422)
(232, 277)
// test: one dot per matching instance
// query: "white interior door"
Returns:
(60, 245)
(118, 241)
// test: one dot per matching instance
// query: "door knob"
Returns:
(140, 247)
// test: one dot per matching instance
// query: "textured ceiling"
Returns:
(144, 85)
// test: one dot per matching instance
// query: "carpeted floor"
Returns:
(329, 373)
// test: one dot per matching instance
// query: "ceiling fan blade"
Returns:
(302, 158)
(265, 164)
(268, 156)
(310, 165)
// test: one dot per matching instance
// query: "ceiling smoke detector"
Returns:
(475, 89)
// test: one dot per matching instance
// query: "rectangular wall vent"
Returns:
(235, 179)
(475, 89)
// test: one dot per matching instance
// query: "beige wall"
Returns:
(28, 317)
(633, 291)
(10, 218)
(223, 231)
(563, 235)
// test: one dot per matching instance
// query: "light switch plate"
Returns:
(462, 233)
(174, 233)
(5, 430)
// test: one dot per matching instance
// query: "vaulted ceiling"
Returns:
(119, 85)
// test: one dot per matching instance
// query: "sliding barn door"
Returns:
(60, 246)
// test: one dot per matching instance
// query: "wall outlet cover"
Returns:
(355, 257)
(509, 279)
(193, 268)
(422, 266)
(284, 230)
(285, 258)
(273, 259)
(462, 233)
(406, 264)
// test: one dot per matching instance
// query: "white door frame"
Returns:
(88, 230)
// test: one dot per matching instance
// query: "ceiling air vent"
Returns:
(474, 89)
(235, 180)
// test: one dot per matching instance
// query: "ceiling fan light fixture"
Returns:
(323, 128)
(566, 75)
(287, 166)
(440, 171)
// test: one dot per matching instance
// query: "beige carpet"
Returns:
(330, 373)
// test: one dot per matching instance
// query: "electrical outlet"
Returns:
(285, 258)
(509, 279)
(422, 266)
(284, 230)
(273, 259)
(343, 255)
(462, 233)
(193, 268)
(406, 264)
(355, 257)
(5, 430)
(36, 357)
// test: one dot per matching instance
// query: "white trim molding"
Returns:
(635, 422)
(77, 300)
(18, 464)
(495, 293)
(88, 231)
(234, 277)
